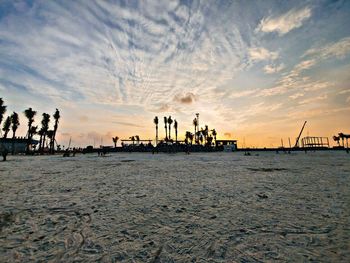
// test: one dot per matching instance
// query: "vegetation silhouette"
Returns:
(175, 128)
(43, 131)
(115, 141)
(30, 114)
(170, 121)
(56, 117)
(14, 127)
(2, 110)
(12, 123)
(7, 126)
(166, 128)
(155, 121)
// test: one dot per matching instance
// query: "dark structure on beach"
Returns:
(17, 145)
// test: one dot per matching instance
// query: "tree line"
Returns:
(47, 136)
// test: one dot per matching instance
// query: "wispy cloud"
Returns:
(270, 69)
(338, 49)
(286, 22)
(259, 53)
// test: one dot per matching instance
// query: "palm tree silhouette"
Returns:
(209, 140)
(2, 110)
(41, 133)
(115, 140)
(44, 128)
(166, 128)
(205, 133)
(56, 116)
(191, 137)
(137, 139)
(187, 137)
(50, 136)
(29, 113)
(156, 123)
(195, 123)
(175, 127)
(15, 124)
(336, 139)
(132, 138)
(170, 121)
(213, 132)
(7, 126)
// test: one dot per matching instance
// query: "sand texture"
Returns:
(202, 207)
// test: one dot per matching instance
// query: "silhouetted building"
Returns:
(227, 145)
(19, 144)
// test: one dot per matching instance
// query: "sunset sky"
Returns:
(254, 70)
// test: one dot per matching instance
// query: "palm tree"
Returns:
(166, 128)
(137, 139)
(56, 116)
(155, 120)
(29, 113)
(44, 128)
(170, 121)
(7, 126)
(205, 133)
(50, 136)
(175, 127)
(132, 138)
(209, 140)
(115, 140)
(15, 124)
(41, 133)
(32, 131)
(213, 132)
(195, 123)
(187, 137)
(336, 139)
(2, 110)
(191, 137)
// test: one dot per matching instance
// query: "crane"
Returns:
(297, 140)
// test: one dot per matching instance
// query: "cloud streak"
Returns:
(286, 22)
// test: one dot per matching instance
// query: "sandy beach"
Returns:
(202, 207)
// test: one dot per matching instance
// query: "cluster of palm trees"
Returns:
(168, 121)
(47, 137)
(200, 136)
(341, 136)
(134, 139)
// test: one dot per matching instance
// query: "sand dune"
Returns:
(205, 207)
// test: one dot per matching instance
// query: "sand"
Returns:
(202, 207)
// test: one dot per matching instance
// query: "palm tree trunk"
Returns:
(169, 131)
(43, 146)
(13, 142)
(156, 134)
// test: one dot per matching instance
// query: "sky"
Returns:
(253, 70)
